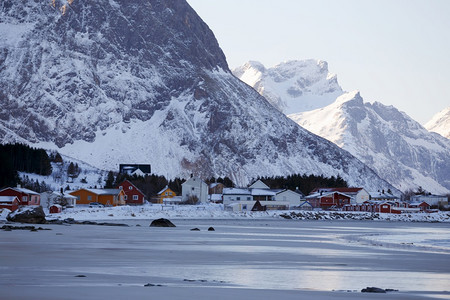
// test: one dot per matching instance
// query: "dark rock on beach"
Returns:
(373, 290)
(162, 223)
(28, 215)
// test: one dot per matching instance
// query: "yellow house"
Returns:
(107, 197)
(165, 193)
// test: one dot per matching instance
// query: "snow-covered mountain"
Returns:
(293, 86)
(440, 123)
(398, 148)
(118, 81)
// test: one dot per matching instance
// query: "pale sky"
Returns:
(396, 52)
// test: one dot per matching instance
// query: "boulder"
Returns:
(195, 229)
(29, 214)
(373, 290)
(162, 223)
(211, 229)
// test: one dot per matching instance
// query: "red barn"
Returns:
(25, 196)
(133, 196)
(10, 202)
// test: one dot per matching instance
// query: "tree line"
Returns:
(16, 158)
(305, 183)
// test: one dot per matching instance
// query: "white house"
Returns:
(195, 187)
(245, 199)
(292, 197)
(231, 195)
(50, 198)
(259, 185)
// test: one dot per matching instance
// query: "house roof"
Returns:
(58, 194)
(263, 192)
(320, 195)
(258, 184)
(7, 199)
(102, 191)
(236, 191)
(346, 190)
(21, 190)
(164, 189)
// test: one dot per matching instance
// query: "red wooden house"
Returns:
(25, 196)
(328, 200)
(10, 202)
(133, 196)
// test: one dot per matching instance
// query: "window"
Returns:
(135, 197)
(167, 193)
(130, 187)
(244, 207)
(238, 198)
(126, 197)
(192, 188)
(25, 199)
(89, 198)
(249, 198)
(36, 200)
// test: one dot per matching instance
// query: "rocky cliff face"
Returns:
(398, 148)
(116, 81)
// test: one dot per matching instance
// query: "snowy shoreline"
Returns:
(215, 211)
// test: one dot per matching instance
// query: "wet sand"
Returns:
(241, 259)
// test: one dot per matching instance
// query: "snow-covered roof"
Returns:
(58, 194)
(236, 191)
(22, 190)
(104, 191)
(7, 199)
(263, 192)
(319, 195)
(163, 190)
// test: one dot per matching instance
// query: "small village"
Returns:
(256, 197)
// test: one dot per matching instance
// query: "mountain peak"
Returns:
(353, 96)
(440, 123)
(292, 86)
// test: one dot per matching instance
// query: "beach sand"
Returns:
(241, 259)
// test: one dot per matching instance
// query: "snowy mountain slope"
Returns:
(399, 149)
(111, 82)
(293, 86)
(440, 123)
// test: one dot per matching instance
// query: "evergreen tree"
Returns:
(109, 180)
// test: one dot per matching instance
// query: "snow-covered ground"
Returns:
(261, 258)
(216, 211)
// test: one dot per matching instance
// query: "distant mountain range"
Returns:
(398, 148)
(118, 81)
